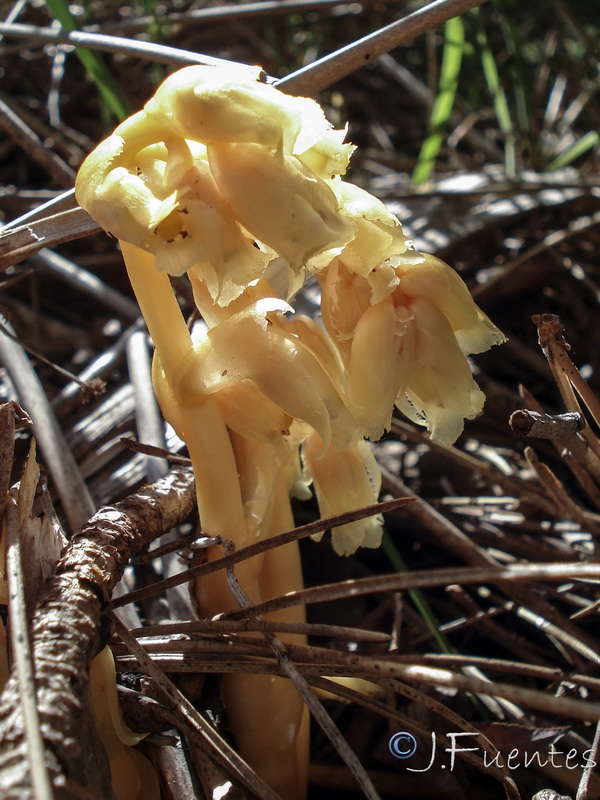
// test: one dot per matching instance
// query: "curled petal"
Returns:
(279, 201)
(344, 480)
(117, 198)
(329, 156)
(427, 277)
(164, 200)
(110, 187)
(378, 233)
(441, 391)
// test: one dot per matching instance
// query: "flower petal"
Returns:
(250, 346)
(378, 233)
(440, 389)
(426, 276)
(279, 201)
(380, 362)
(344, 480)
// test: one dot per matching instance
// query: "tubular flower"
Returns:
(239, 185)
(253, 345)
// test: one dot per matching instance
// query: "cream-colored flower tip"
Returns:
(425, 276)
(440, 390)
(344, 480)
(279, 200)
(253, 345)
(378, 233)
(163, 199)
(231, 104)
(382, 359)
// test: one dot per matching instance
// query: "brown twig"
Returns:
(24, 136)
(332, 68)
(422, 579)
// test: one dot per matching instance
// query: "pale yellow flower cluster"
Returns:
(227, 178)
(239, 185)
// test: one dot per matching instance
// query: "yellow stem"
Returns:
(200, 425)
(159, 308)
(215, 469)
(267, 715)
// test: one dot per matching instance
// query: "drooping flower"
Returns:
(404, 323)
(344, 480)
(255, 346)
(222, 174)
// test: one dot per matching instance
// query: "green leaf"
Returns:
(492, 78)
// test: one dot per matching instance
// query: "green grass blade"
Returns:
(520, 80)
(578, 148)
(108, 87)
(492, 78)
(454, 45)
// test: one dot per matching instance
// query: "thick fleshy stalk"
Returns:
(266, 714)
(224, 511)
(228, 179)
(199, 424)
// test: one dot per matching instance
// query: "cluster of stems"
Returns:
(240, 186)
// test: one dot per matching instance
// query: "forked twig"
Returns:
(567, 376)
